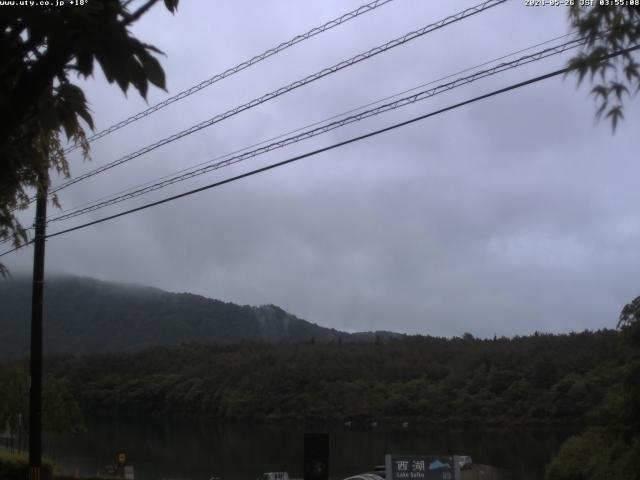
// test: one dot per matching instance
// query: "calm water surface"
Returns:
(196, 451)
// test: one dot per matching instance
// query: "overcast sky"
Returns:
(515, 214)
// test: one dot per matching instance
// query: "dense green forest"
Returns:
(540, 379)
(263, 364)
(609, 448)
(83, 315)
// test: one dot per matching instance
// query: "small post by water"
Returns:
(316, 456)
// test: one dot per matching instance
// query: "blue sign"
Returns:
(421, 467)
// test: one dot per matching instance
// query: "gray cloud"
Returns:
(504, 217)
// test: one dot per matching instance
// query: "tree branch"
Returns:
(130, 18)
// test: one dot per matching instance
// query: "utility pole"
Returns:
(35, 389)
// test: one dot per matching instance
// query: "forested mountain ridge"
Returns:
(219, 360)
(84, 315)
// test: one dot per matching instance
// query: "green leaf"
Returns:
(139, 80)
(74, 99)
(86, 116)
(68, 120)
(85, 64)
(631, 71)
(618, 89)
(153, 69)
(49, 119)
(152, 48)
(172, 5)
(578, 64)
(615, 114)
(600, 90)
(106, 67)
(601, 109)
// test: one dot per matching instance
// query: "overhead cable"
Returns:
(321, 150)
(316, 123)
(238, 68)
(402, 102)
(309, 154)
(292, 86)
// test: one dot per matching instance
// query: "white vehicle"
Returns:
(366, 476)
(464, 461)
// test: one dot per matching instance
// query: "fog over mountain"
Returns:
(84, 315)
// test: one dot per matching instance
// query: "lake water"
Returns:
(197, 451)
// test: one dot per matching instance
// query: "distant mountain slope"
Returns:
(84, 315)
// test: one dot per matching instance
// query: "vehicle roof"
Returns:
(365, 476)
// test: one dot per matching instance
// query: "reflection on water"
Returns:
(194, 450)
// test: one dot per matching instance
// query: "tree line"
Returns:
(609, 446)
(61, 414)
(588, 380)
(538, 379)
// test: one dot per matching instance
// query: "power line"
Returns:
(111, 199)
(292, 86)
(316, 123)
(14, 249)
(423, 95)
(312, 153)
(324, 149)
(238, 68)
